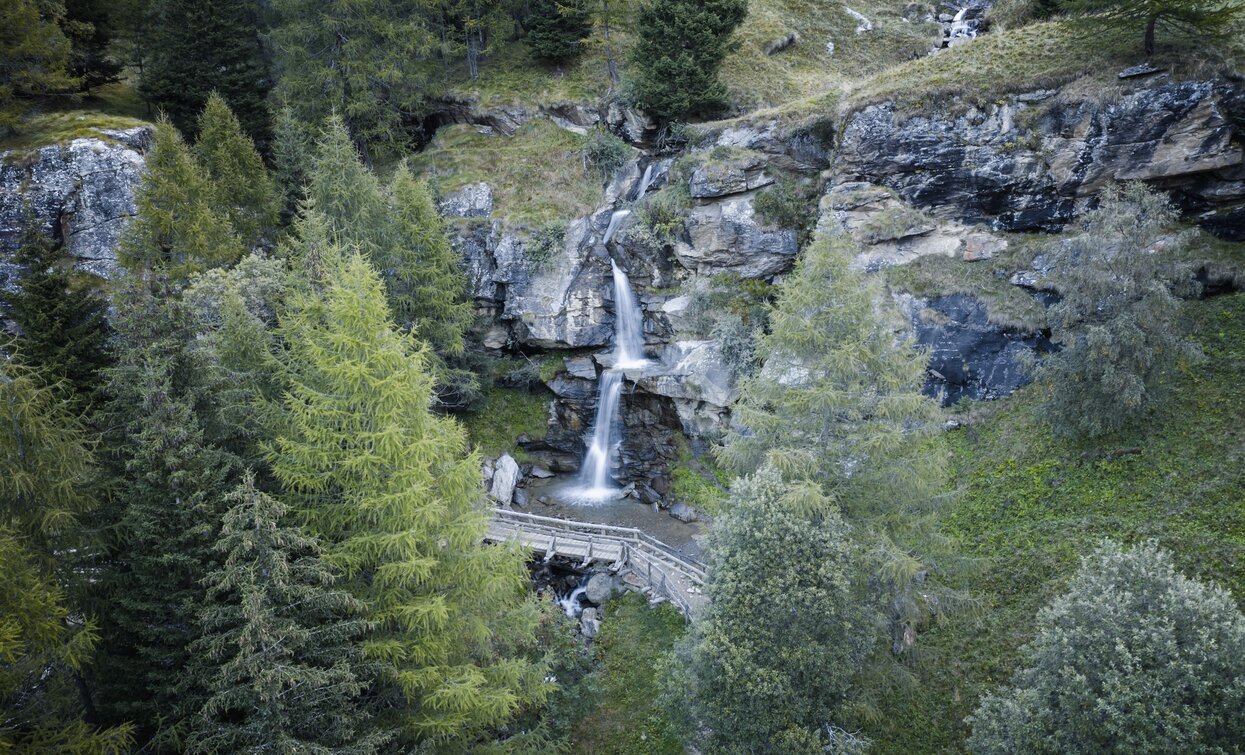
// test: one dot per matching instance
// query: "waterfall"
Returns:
(628, 324)
(572, 601)
(594, 476)
(645, 181)
(615, 220)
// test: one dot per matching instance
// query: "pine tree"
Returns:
(242, 189)
(776, 654)
(34, 57)
(391, 492)
(1118, 318)
(200, 46)
(39, 651)
(46, 463)
(1200, 19)
(1134, 657)
(839, 402)
(176, 231)
(62, 326)
(279, 641)
(361, 59)
(425, 282)
(555, 29)
(88, 26)
(675, 61)
(170, 486)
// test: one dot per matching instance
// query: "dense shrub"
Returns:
(605, 153)
(1134, 657)
(788, 203)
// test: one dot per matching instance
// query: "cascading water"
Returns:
(594, 476)
(645, 181)
(572, 602)
(615, 220)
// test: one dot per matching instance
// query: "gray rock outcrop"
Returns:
(81, 192)
(505, 478)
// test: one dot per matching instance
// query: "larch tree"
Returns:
(40, 648)
(63, 331)
(177, 230)
(34, 57)
(1134, 657)
(390, 490)
(242, 189)
(1201, 19)
(771, 665)
(170, 482)
(675, 61)
(279, 646)
(838, 402)
(196, 47)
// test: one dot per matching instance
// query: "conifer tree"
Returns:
(555, 29)
(426, 286)
(63, 329)
(391, 492)
(242, 189)
(170, 484)
(291, 159)
(39, 650)
(401, 234)
(1200, 19)
(1134, 657)
(46, 462)
(361, 59)
(88, 26)
(176, 231)
(279, 641)
(200, 46)
(675, 61)
(774, 657)
(34, 57)
(839, 402)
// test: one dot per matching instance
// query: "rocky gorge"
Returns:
(961, 183)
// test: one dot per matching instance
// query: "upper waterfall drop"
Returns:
(645, 181)
(615, 220)
(628, 324)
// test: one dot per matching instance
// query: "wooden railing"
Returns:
(666, 572)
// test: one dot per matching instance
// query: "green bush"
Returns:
(1134, 657)
(605, 153)
(788, 203)
(545, 243)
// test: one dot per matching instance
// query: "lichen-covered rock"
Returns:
(725, 236)
(471, 201)
(720, 178)
(1031, 165)
(505, 478)
(81, 192)
(692, 371)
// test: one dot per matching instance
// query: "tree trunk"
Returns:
(609, 50)
(1150, 37)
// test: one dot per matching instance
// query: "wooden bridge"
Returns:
(644, 562)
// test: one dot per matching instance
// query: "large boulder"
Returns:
(737, 174)
(505, 478)
(1032, 162)
(81, 192)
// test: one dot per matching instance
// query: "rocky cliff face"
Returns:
(81, 192)
(1035, 161)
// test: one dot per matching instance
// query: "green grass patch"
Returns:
(537, 175)
(1041, 55)
(506, 414)
(1008, 306)
(57, 120)
(1032, 504)
(627, 719)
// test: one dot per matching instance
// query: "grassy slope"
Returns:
(627, 719)
(115, 106)
(1032, 503)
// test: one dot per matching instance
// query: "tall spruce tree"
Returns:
(200, 46)
(773, 660)
(177, 230)
(40, 648)
(62, 324)
(839, 402)
(34, 57)
(279, 644)
(170, 485)
(291, 159)
(242, 189)
(675, 61)
(392, 493)
(88, 26)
